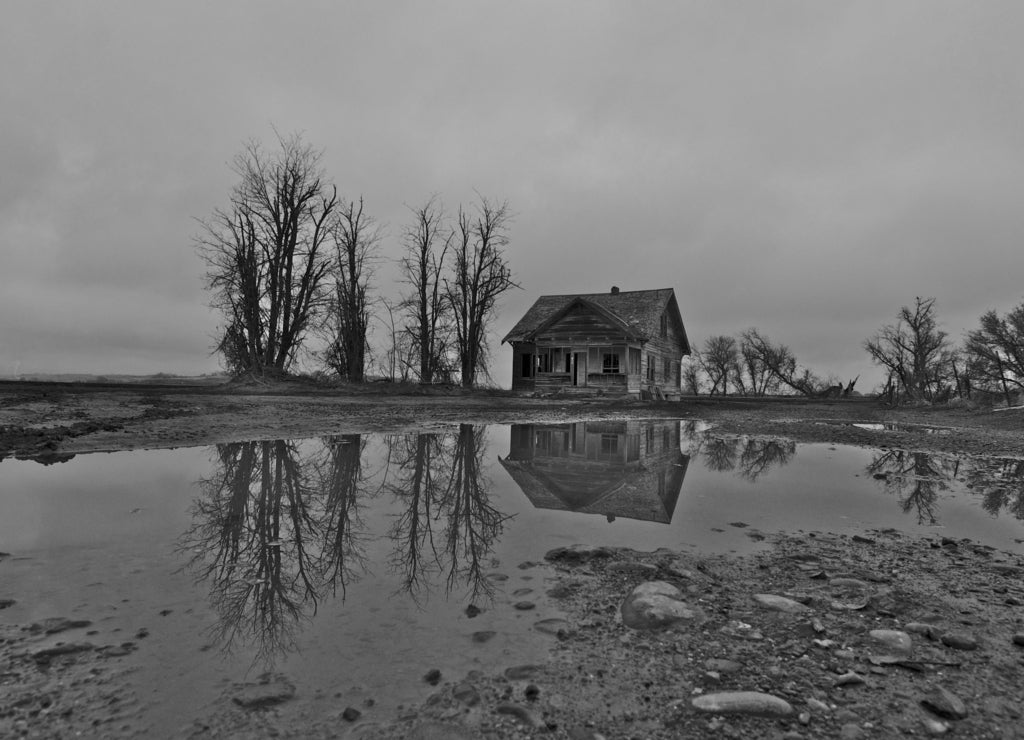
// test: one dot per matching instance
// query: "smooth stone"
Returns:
(1018, 639)
(433, 676)
(818, 705)
(849, 679)
(922, 628)
(551, 626)
(960, 641)
(850, 731)
(525, 606)
(270, 690)
(351, 714)
(945, 703)
(934, 726)
(743, 702)
(657, 605)
(483, 635)
(521, 672)
(466, 694)
(893, 639)
(521, 713)
(722, 665)
(780, 604)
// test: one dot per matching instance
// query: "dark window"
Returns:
(544, 361)
(609, 444)
(664, 325)
(611, 363)
(526, 366)
(634, 361)
(666, 368)
(651, 360)
(568, 360)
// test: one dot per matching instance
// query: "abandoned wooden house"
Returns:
(628, 469)
(628, 342)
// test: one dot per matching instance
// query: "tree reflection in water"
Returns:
(440, 478)
(749, 457)
(278, 527)
(917, 478)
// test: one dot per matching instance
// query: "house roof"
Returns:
(639, 310)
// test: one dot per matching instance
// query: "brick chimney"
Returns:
(615, 289)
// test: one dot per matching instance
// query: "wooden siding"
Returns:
(580, 325)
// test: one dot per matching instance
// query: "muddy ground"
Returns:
(794, 623)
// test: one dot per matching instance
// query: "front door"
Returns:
(579, 359)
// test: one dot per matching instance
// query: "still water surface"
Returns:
(348, 562)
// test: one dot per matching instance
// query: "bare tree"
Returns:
(479, 276)
(356, 237)
(996, 351)
(780, 362)
(752, 365)
(691, 374)
(914, 350)
(718, 359)
(427, 241)
(266, 256)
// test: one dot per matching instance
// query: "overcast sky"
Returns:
(802, 167)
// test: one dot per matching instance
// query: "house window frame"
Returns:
(664, 326)
(610, 363)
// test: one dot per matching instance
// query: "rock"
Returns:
(817, 706)
(65, 648)
(483, 635)
(862, 539)
(921, 628)
(525, 606)
(433, 676)
(780, 604)
(578, 554)
(351, 714)
(531, 692)
(945, 703)
(960, 641)
(895, 640)
(658, 605)
(722, 665)
(850, 731)
(6, 603)
(552, 626)
(743, 702)
(521, 672)
(473, 610)
(496, 577)
(934, 726)
(270, 689)
(849, 679)
(522, 591)
(466, 694)
(53, 625)
(522, 714)
(1018, 639)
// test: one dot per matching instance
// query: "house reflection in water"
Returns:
(631, 469)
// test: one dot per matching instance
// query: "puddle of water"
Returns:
(348, 562)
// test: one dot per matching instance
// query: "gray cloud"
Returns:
(799, 166)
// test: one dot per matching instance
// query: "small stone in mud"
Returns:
(895, 640)
(483, 635)
(143, 632)
(496, 577)
(960, 641)
(657, 605)
(466, 694)
(521, 672)
(921, 628)
(531, 692)
(165, 612)
(849, 679)
(472, 610)
(739, 525)
(522, 591)
(351, 714)
(743, 702)
(525, 606)
(64, 648)
(5, 603)
(934, 726)
(519, 712)
(1018, 639)
(945, 703)
(433, 676)
(780, 603)
(270, 690)
(551, 626)
(862, 539)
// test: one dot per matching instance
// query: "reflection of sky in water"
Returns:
(366, 549)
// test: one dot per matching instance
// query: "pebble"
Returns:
(893, 639)
(472, 610)
(722, 665)
(780, 603)
(351, 714)
(850, 731)
(483, 635)
(525, 606)
(934, 726)
(921, 628)
(743, 702)
(817, 705)
(945, 703)
(960, 641)
(849, 679)
(521, 713)
(1018, 639)
(657, 605)
(520, 672)
(551, 626)
(270, 690)
(466, 694)
(433, 676)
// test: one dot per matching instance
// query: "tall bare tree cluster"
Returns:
(915, 351)
(995, 352)
(289, 259)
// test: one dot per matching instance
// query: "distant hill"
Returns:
(154, 379)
